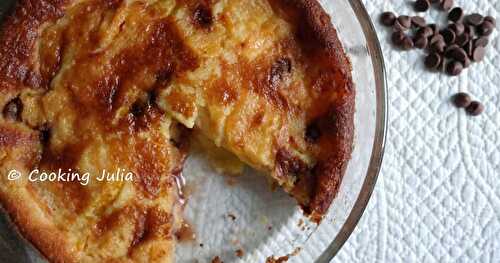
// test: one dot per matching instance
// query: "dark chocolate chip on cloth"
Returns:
(464, 100)
(449, 48)
(475, 108)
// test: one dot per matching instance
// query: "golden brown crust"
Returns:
(85, 119)
(114, 98)
(18, 34)
(319, 37)
(37, 229)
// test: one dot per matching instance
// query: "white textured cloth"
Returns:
(438, 195)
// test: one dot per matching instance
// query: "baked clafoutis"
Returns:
(88, 86)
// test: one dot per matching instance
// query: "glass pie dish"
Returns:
(240, 219)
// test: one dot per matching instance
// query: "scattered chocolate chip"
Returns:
(491, 19)
(486, 28)
(388, 18)
(442, 65)
(432, 60)
(474, 19)
(138, 108)
(421, 5)
(478, 53)
(452, 48)
(446, 4)
(289, 164)
(459, 55)
(469, 48)
(425, 32)
(407, 43)
(45, 134)
(418, 21)
(202, 16)
(456, 14)
(481, 42)
(449, 49)
(397, 38)
(458, 28)
(402, 23)
(454, 68)
(13, 109)
(470, 30)
(436, 1)
(420, 42)
(448, 35)
(434, 28)
(436, 38)
(475, 108)
(313, 132)
(438, 46)
(462, 39)
(461, 100)
(467, 62)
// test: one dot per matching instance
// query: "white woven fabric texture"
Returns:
(438, 194)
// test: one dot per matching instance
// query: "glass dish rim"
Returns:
(375, 51)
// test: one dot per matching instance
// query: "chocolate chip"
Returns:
(486, 28)
(449, 49)
(462, 100)
(436, 38)
(289, 164)
(425, 31)
(434, 28)
(397, 38)
(475, 108)
(402, 23)
(421, 5)
(138, 108)
(436, 1)
(418, 21)
(420, 42)
(44, 134)
(459, 55)
(432, 60)
(470, 30)
(13, 110)
(407, 43)
(442, 65)
(491, 19)
(474, 19)
(458, 28)
(456, 14)
(202, 16)
(467, 62)
(313, 132)
(469, 48)
(388, 18)
(478, 53)
(446, 4)
(438, 46)
(462, 39)
(448, 35)
(481, 42)
(454, 68)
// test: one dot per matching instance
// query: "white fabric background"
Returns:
(438, 195)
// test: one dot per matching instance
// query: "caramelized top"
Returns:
(96, 85)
